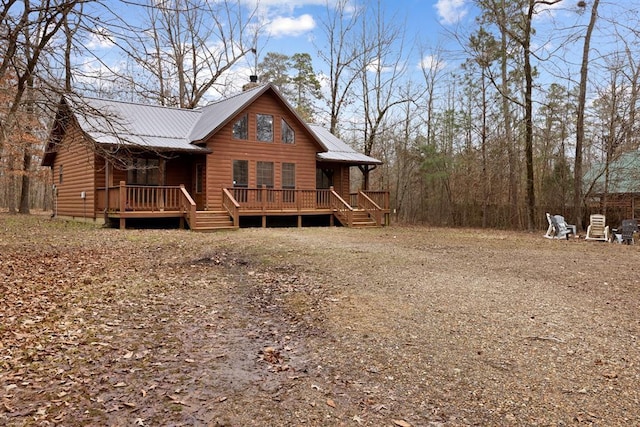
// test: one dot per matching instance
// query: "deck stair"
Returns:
(212, 221)
(362, 219)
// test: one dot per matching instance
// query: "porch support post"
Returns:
(107, 187)
(122, 192)
(299, 221)
(264, 221)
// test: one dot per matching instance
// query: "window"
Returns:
(241, 173)
(264, 128)
(144, 172)
(288, 182)
(324, 178)
(60, 175)
(241, 128)
(289, 175)
(264, 174)
(199, 178)
(288, 135)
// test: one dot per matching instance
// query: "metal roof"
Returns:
(164, 128)
(338, 150)
(149, 126)
(217, 114)
(624, 175)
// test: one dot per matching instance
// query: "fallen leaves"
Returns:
(109, 327)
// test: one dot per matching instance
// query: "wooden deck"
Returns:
(122, 202)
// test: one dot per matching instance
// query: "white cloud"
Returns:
(451, 11)
(99, 39)
(432, 63)
(285, 26)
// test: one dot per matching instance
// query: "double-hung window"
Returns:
(289, 182)
(240, 179)
(144, 172)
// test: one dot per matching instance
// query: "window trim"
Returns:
(245, 128)
(293, 172)
(271, 127)
(152, 169)
(199, 187)
(233, 173)
(286, 126)
(260, 174)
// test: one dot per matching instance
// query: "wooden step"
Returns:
(362, 219)
(212, 220)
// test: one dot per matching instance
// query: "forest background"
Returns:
(495, 123)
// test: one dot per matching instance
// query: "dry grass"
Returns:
(327, 326)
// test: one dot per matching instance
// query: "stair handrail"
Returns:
(231, 205)
(187, 206)
(371, 207)
(344, 211)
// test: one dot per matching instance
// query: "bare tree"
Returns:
(341, 54)
(182, 48)
(381, 70)
(27, 29)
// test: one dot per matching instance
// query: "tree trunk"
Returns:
(26, 182)
(528, 119)
(582, 97)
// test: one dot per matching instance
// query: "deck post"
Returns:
(122, 192)
(123, 223)
(299, 221)
(264, 221)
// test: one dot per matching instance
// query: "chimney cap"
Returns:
(253, 78)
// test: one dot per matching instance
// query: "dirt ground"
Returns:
(399, 326)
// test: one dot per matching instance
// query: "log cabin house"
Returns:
(614, 187)
(246, 160)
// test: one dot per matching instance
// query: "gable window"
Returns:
(144, 172)
(288, 136)
(241, 128)
(264, 127)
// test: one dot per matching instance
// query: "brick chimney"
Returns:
(253, 82)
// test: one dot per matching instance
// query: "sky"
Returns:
(294, 26)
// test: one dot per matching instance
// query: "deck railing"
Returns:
(341, 208)
(139, 199)
(231, 206)
(371, 207)
(380, 198)
(187, 206)
(269, 199)
(125, 197)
